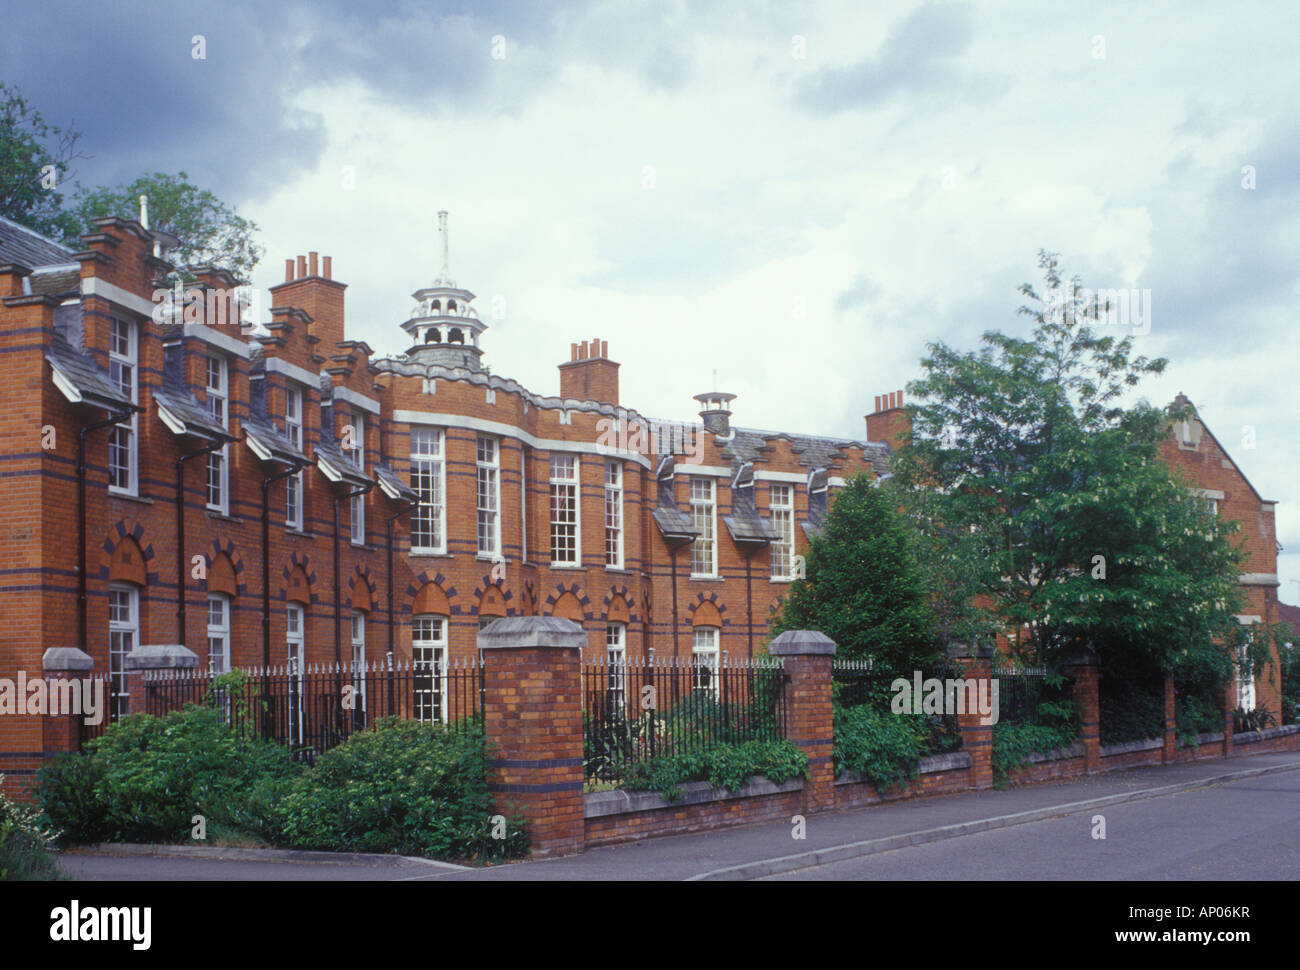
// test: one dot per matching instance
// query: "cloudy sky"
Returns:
(798, 196)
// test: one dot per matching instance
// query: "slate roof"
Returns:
(392, 483)
(57, 281)
(196, 419)
(85, 376)
(674, 523)
(29, 248)
(268, 437)
(748, 444)
(347, 469)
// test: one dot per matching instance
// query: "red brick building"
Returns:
(171, 477)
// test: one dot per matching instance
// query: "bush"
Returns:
(883, 747)
(402, 786)
(726, 766)
(1132, 708)
(26, 842)
(1289, 656)
(147, 777)
(1057, 727)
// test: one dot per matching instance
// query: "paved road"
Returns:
(1247, 830)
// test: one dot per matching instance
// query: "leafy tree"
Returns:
(210, 231)
(34, 167)
(864, 587)
(1081, 532)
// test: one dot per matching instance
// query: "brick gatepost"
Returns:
(975, 661)
(1170, 748)
(62, 732)
(153, 656)
(1082, 665)
(532, 713)
(1227, 701)
(810, 721)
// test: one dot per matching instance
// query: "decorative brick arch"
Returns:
(431, 594)
(493, 598)
(706, 611)
(299, 580)
(361, 590)
(233, 582)
(569, 602)
(620, 607)
(124, 558)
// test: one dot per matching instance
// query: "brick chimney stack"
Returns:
(889, 420)
(589, 374)
(309, 285)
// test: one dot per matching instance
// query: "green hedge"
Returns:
(1013, 743)
(726, 766)
(883, 747)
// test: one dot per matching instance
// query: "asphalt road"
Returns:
(1245, 830)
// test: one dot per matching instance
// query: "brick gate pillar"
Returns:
(532, 714)
(62, 731)
(1086, 694)
(975, 661)
(1170, 748)
(154, 657)
(810, 724)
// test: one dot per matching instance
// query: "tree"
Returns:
(210, 232)
(1083, 534)
(864, 587)
(34, 167)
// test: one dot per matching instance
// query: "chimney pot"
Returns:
(595, 347)
(288, 270)
(314, 267)
(302, 266)
(604, 348)
(328, 268)
(877, 404)
(582, 351)
(573, 351)
(900, 399)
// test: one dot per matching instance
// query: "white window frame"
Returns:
(293, 486)
(616, 663)
(128, 357)
(429, 462)
(218, 634)
(704, 516)
(613, 515)
(218, 463)
(359, 659)
(566, 490)
(1246, 699)
(487, 492)
(429, 658)
(123, 637)
(781, 517)
(295, 641)
(357, 422)
(705, 652)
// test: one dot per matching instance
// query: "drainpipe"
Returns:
(180, 535)
(672, 558)
(266, 560)
(338, 584)
(749, 602)
(392, 632)
(114, 418)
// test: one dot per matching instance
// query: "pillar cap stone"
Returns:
(802, 643)
(518, 632)
(975, 650)
(160, 656)
(67, 658)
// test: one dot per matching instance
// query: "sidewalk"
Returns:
(753, 851)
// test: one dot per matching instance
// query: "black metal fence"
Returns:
(852, 680)
(855, 684)
(638, 709)
(1023, 690)
(321, 705)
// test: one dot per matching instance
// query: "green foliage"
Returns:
(402, 786)
(34, 166)
(210, 232)
(26, 843)
(1256, 720)
(1289, 661)
(864, 588)
(1057, 728)
(726, 766)
(147, 777)
(1132, 706)
(883, 747)
(1080, 532)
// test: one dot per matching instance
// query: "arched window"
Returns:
(704, 650)
(451, 307)
(455, 337)
(437, 307)
(432, 336)
(429, 653)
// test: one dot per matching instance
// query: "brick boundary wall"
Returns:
(810, 721)
(975, 661)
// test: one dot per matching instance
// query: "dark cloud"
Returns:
(916, 57)
(859, 292)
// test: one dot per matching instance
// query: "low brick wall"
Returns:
(1050, 766)
(1285, 738)
(939, 774)
(624, 816)
(1132, 754)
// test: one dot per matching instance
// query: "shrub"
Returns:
(883, 747)
(726, 766)
(1289, 656)
(402, 786)
(26, 841)
(1057, 727)
(147, 777)
(1132, 708)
